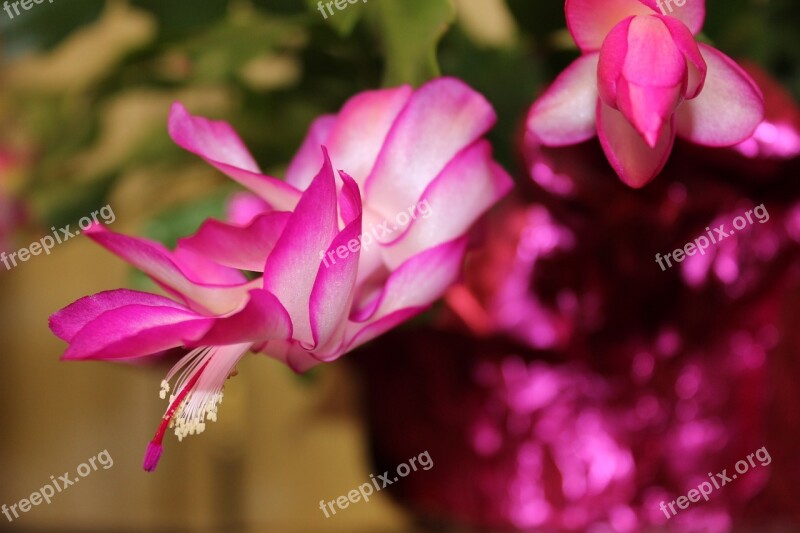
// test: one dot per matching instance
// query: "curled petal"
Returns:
(611, 62)
(729, 108)
(334, 288)
(67, 322)
(635, 162)
(292, 266)
(653, 77)
(565, 113)
(218, 144)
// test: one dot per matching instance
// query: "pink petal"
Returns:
(635, 162)
(213, 140)
(363, 334)
(610, 64)
(565, 113)
(262, 318)
(654, 74)
(589, 21)
(441, 118)
(334, 287)
(729, 108)
(157, 262)
(70, 320)
(243, 207)
(245, 248)
(472, 177)
(692, 13)
(135, 331)
(361, 129)
(696, 65)
(417, 282)
(301, 361)
(218, 144)
(306, 162)
(202, 267)
(292, 267)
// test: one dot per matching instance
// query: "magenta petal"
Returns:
(565, 113)
(159, 263)
(589, 21)
(306, 162)
(67, 322)
(692, 14)
(218, 144)
(292, 267)
(136, 331)
(728, 109)
(245, 248)
(417, 282)
(635, 162)
(262, 318)
(475, 179)
(334, 288)
(443, 117)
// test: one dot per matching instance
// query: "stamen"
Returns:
(198, 389)
(154, 449)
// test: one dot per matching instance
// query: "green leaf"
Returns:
(410, 31)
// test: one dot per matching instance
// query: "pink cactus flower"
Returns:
(320, 290)
(641, 80)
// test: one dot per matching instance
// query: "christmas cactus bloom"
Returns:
(315, 289)
(641, 80)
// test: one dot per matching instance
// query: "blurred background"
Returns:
(566, 384)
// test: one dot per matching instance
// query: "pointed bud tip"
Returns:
(152, 456)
